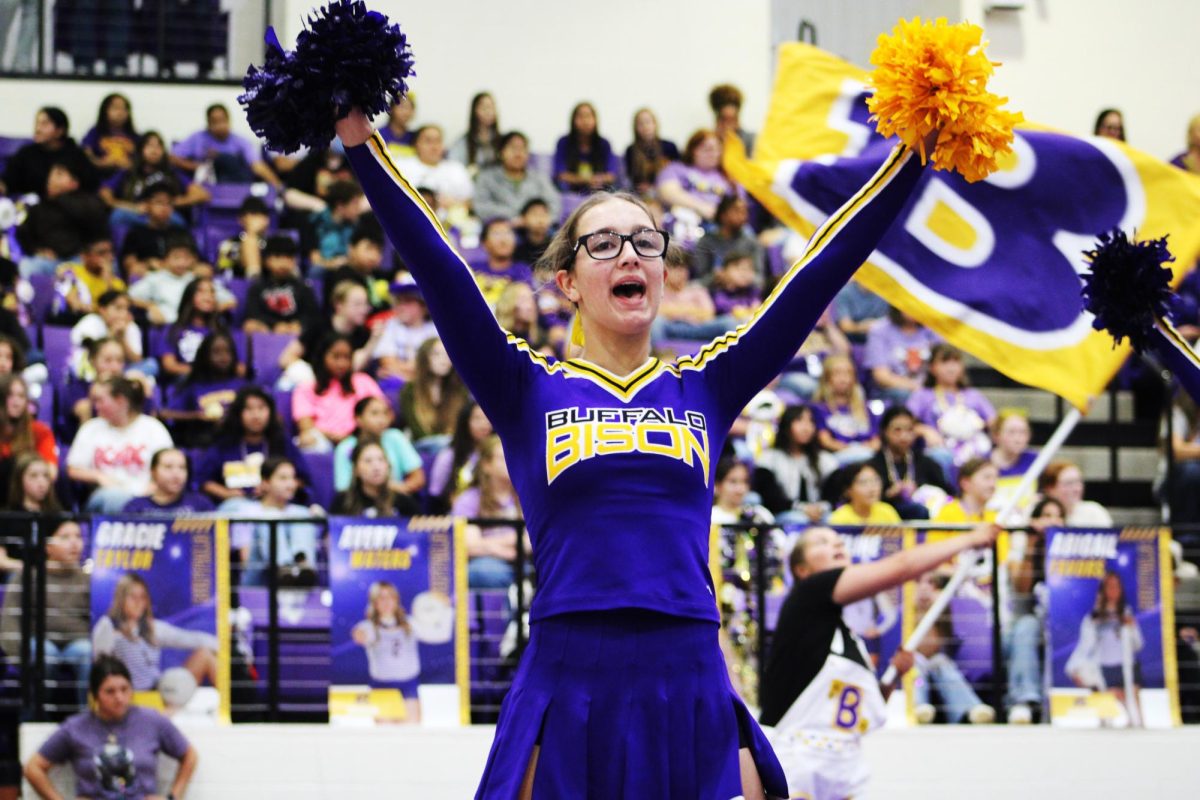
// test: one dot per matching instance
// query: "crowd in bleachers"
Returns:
(243, 306)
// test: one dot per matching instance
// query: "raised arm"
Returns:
(738, 364)
(859, 581)
(480, 350)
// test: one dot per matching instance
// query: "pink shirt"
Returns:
(693, 297)
(333, 411)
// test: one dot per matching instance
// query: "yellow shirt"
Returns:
(881, 514)
(954, 512)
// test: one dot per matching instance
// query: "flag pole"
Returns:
(967, 559)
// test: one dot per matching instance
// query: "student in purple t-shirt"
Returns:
(498, 267)
(169, 488)
(896, 353)
(233, 159)
(199, 315)
(845, 425)
(117, 741)
(196, 406)
(734, 291)
(252, 431)
(952, 417)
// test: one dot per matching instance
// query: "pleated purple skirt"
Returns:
(626, 704)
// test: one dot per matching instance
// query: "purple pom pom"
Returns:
(1128, 287)
(349, 57)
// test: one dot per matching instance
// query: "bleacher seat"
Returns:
(9, 145)
(265, 350)
(43, 298)
(56, 347)
(320, 467)
(239, 288)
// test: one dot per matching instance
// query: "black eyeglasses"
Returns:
(605, 245)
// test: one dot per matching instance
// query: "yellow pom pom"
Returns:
(933, 77)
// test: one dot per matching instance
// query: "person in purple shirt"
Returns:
(111, 142)
(583, 158)
(114, 743)
(252, 431)
(845, 424)
(734, 291)
(952, 417)
(169, 488)
(196, 406)
(499, 266)
(233, 158)
(124, 192)
(896, 353)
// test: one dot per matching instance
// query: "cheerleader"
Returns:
(819, 688)
(611, 453)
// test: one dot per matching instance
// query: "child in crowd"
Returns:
(857, 309)
(406, 327)
(730, 234)
(453, 468)
(499, 266)
(105, 359)
(937, 670)
(350, 311)
(144, 248)
(112, 318)
(197, 317)
(1012, 456)
(536, 225)
(687, 310)
(731, 487)
(68, 608)
(896, 354)
(847, 428)
(31, 487)
(333, 227)
(241, 256)
(912, 482)
(78, 284)
(976, 485)
(159, 293)
(864, 500)
(363, 265)
(251, 432)
(952, 418)
(789, 475)
(111, 451)
(19, 431)
(296, 542)
(151, 165)
(735, 292)
(112, 141)
(324, 410)
(373, 419)
(196, 405)
(491, 549)
(371, 492)
(169, 473)
(430, 402)
(517, 313)
(279, 301)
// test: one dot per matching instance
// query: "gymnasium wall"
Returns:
(1064, 60)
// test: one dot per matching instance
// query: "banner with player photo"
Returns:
(399, 638)
(954, 663)
(1110, 628)
(160, 603)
